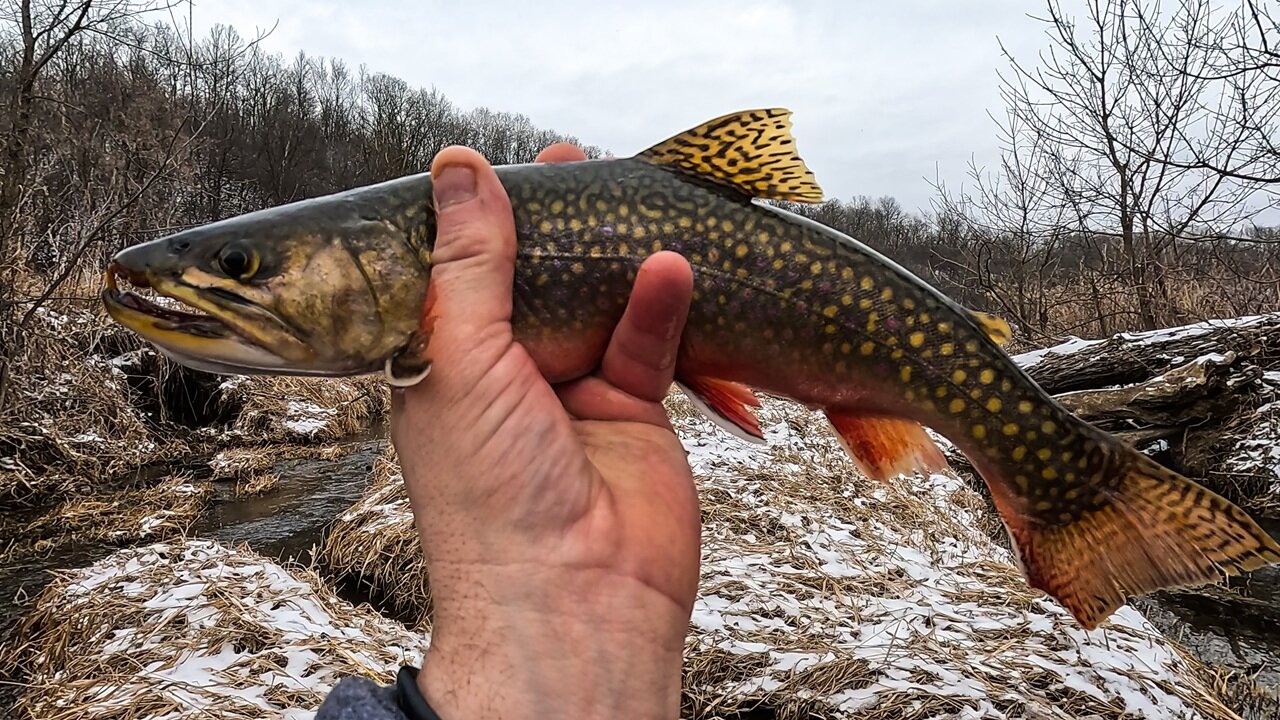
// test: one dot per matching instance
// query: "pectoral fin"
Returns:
(727, 404)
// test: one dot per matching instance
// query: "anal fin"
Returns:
(727, 404)
(884, 447)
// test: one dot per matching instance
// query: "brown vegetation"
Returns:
(221, 631)
(819, 585)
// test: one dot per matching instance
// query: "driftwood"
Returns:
(1129, 358)
(1197, 398)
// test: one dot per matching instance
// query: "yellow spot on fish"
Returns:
(1047, 427)
(940, 391)
(987, 376)
(779, 264)
(1049, 474)
(946, 348)
(832, 329)
(830, 311)
(785, 247)
(956, 406)
(1010, 429)
(908, 303)
(722, 300)
(971, 346)
(1083, 463)
(924, 318)
(865, 304)
(886, 294)
(994, 405)
(1019, 452)
(905, 373)
(543, 279)
(557, 207)
(897, 354)
(867, 283)
(871, 321)
(575, 224)
(624, 210)
(916, 339)
(741, 250)
(685, 222)
(577, 268)
(846, 348)
(727, 226)
(926, 353)
(806, 284)
(979, 431)
(944, 327)
(656, 246)
(1022, 482)
(867, 348)
(815, 268)
(846, 300)
(846, 273)
(545, 226)
(1044, 453)
(640, 231)
(1025, 406)
(959, 376)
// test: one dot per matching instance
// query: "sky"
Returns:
(886, 95)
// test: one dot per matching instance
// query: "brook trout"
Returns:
(336, 286)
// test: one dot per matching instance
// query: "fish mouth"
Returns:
(218, 338)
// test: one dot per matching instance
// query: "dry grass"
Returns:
(372, 543)
(163, 510)
(826, 595)
(299, 409)
(195, 630)
(71, 412)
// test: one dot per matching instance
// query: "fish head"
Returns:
(314, 288)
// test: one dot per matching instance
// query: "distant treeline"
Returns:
(117, 129)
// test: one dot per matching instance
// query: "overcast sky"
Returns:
(886, 94)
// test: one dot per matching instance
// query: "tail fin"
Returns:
(1126, 527)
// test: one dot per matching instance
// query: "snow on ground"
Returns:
(827, 593)
(1257, 454)
(196, 629)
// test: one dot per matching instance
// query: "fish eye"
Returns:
(238, 263)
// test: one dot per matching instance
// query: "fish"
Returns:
(782, 305)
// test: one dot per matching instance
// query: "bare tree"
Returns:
(1121, 147)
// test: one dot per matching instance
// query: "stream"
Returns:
(1238, 629)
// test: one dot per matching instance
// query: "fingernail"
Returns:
(454, 184)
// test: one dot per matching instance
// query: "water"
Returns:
(288, 520)
(283, 524)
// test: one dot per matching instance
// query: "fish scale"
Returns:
(781, 304)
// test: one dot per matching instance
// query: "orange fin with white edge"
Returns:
(727, 404)
(885, 447)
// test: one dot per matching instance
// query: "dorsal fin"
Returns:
(995, 328)
(750, 151)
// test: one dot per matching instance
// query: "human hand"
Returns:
(560, 525)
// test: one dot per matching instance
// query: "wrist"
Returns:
(576, 643)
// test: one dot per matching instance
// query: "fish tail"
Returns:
(1096, 522)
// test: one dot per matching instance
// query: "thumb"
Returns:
(473, 261)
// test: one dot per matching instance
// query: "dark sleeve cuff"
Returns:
(360, 699)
